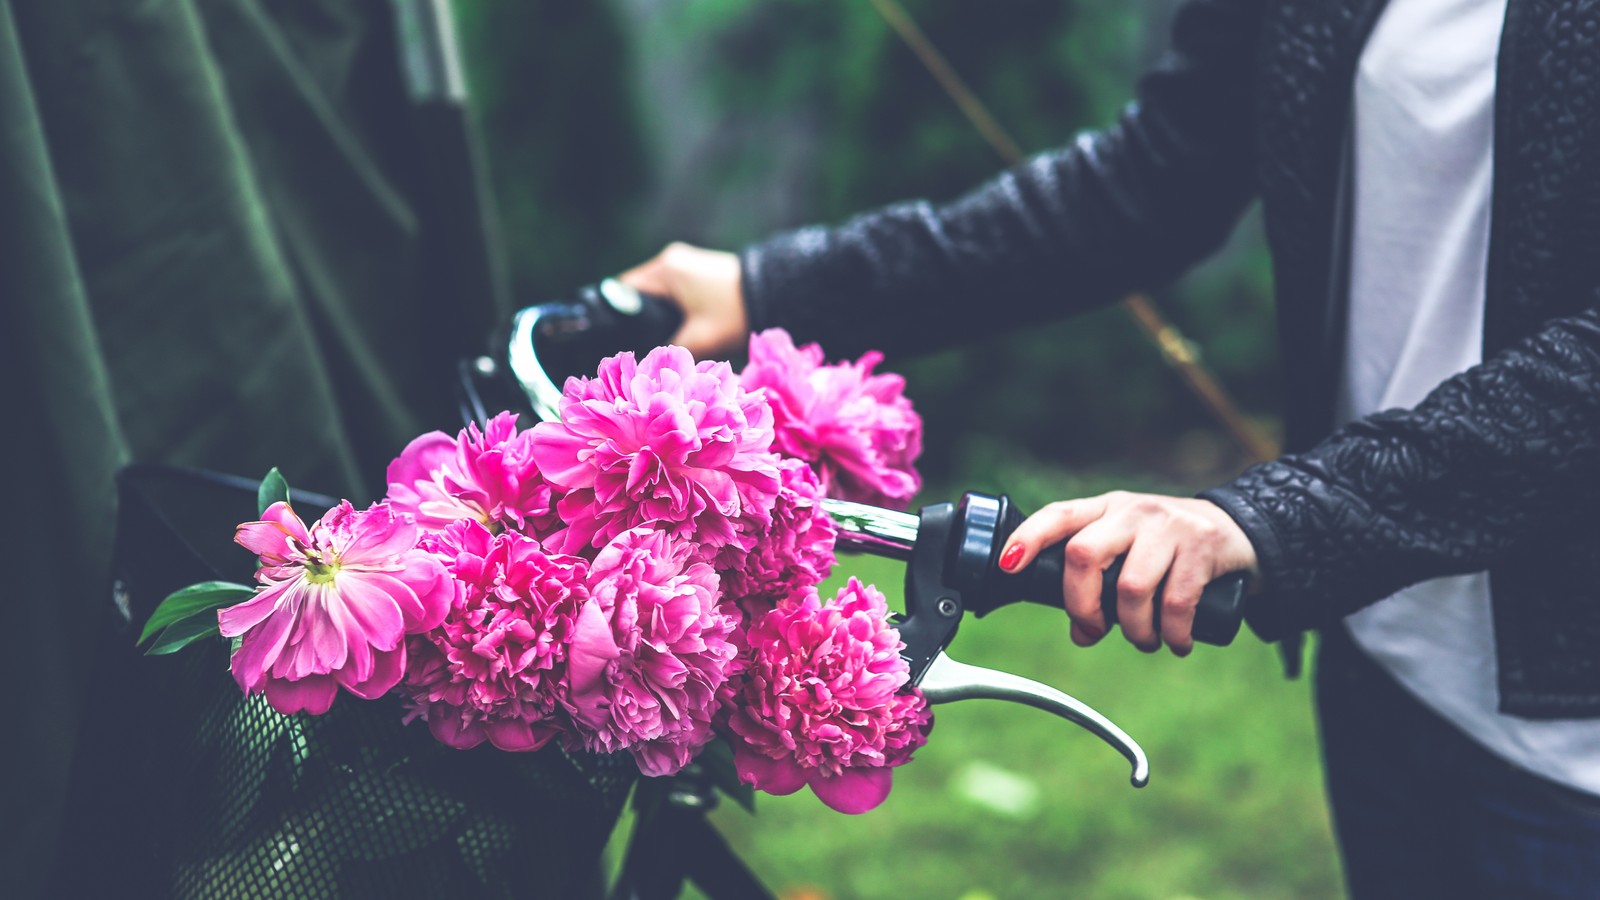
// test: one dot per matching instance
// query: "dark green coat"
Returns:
(211, 254)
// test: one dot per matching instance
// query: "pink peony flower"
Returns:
(334, 605)
(660, 440)
(855, 427)
(654, 651)
(494, 668)
(486, 475)
(821, 702)
(794, 553)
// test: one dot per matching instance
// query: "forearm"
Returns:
(1497, 456)
(1128, 207)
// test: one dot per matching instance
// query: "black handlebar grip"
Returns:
(603, 319)
(1216, 617)
(636, 320)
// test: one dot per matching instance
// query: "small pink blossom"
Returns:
(856, 427)
(821, 703)
(487, 475)
(653, 654)
(794, 553)
(494, 668)
(662, 440)
(334, 605)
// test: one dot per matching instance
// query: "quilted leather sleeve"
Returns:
(1502, 457)
(1128, 207)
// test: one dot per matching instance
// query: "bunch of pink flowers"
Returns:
(641, 575)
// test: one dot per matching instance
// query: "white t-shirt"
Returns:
(1422, 178)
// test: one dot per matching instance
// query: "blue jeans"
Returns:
(1421, 810)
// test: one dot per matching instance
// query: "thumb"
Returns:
(650, 276)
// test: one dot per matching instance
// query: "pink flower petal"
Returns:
(775, 776)
(662, 441)
(452, 732)
(560, 454)
(270, 538)
(487, 474)
(333, 608)
(421, 458)
(357, 664)
(854, 425)
(284, 516)
(665, 757)
(265, 539)
(432, 587)
(312, 695)
(495, 667)
(259, 650)
(241, 617)
(516, 736)
(378, 536)
(371, 604)
(653, 652)
(320, 644)
(853, 791)
(592, 648)
(821, 693)
(388, 667)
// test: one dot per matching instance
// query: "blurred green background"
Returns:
(613, 127)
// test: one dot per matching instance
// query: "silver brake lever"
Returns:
(947, 680)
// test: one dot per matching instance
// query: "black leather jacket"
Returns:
(1498, 469)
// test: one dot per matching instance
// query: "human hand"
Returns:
(1175, 545)
(706, 284)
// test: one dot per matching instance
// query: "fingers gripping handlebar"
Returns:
(983, 525)
(973, 533)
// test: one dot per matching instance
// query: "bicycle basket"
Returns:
(185, 788)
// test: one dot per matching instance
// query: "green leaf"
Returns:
(194, 599)
(182, 633)
(717, 758)
(274, 489)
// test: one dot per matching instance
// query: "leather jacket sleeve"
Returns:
(1125, 208)
(1505, 454)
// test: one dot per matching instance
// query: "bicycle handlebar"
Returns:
(979, 528)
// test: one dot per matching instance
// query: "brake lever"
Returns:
(952, 555)
(946, 680)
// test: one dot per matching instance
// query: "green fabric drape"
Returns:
(65, 447)
(212, 253)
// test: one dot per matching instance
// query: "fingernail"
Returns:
(1010, 558)
(1090, 633)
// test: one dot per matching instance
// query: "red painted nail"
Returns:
(1010, 558)
(1084, 634)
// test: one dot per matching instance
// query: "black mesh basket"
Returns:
(185, 788)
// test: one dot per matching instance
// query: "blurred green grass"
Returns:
(1010, 802)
